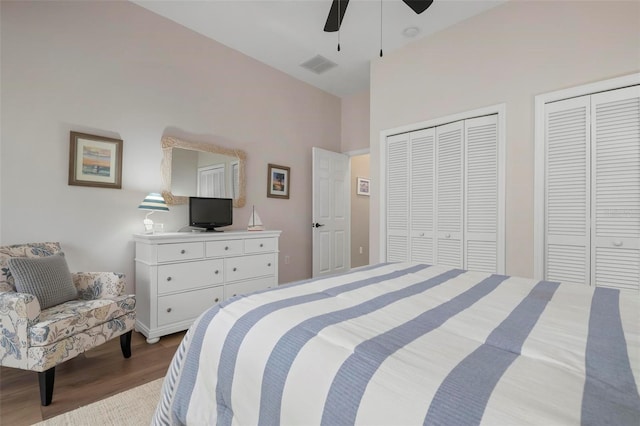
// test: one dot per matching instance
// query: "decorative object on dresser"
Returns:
(180, 275)
(153, 202)
(95, 161)
(255, 224)
(49, 315)
(278, 181)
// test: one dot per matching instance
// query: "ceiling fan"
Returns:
(340, 6)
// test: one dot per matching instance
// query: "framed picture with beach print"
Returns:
(95, 161)
(363, 186)
(278, 181)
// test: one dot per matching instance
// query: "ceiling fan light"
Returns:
(411, 32)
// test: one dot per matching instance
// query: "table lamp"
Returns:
(153, 202)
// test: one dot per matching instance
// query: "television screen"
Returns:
(210, 213)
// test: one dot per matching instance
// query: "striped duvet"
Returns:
(409, 344)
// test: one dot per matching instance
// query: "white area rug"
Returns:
(133, 407)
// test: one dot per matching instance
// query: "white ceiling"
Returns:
(287, 33)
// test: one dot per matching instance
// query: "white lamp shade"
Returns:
(154, 202)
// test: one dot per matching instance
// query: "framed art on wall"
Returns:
(278, 181)
(363, 186)
(95, 161)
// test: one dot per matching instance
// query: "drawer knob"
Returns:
(226, 248)
(617, 243)
(168, 278)
(268, 264)
(168, 309)
(216, 272)
(183, 251)
(261, 245)
(217, 299)
(235, 269)
(233, 295)
(447, 236)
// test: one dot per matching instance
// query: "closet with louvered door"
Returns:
(421, 204)
(592, 189)
(449, 194)
(481, 189)
(397, 198)
(442, 195)
(615, 192)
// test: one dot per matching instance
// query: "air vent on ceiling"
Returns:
(318, 64)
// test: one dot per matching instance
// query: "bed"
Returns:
(407, 344)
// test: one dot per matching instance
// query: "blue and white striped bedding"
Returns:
(408, 344)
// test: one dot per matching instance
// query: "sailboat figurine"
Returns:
(254, 222)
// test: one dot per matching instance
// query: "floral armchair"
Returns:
(38, 339)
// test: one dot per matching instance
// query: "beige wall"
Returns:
(118, 70)
(355, 122)
(508, 55)
(359, 213)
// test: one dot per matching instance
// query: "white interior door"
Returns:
(331, 212)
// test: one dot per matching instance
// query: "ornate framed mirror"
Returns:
(198, 169)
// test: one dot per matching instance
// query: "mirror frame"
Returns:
(168, 143)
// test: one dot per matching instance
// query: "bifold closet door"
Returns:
(449, 194)
(481, 194)
(615, 192)
(421, 153)
(397, 194)
(567, 195)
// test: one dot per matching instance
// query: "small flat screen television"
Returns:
(210, 213)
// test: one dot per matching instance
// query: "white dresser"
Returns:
(179, 275)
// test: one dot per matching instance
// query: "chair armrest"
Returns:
(18, 312)
(98, 285)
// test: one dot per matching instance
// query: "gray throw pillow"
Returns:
(48, 278)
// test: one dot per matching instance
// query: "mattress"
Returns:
(407, 344)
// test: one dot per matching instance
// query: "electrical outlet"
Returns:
(287, 260)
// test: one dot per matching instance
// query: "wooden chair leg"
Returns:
(46, 379)
(125, 343)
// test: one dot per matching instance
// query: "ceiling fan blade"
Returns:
(418, 6)
(333, 24)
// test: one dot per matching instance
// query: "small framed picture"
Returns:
(278, 181)
(95, 161)
(363, 186)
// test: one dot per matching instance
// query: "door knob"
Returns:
(317, 225)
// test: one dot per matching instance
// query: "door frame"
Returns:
(540, 149)
(501, 111)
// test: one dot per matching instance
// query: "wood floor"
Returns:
(90, 377)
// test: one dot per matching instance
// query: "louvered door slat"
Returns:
(481, 194)
(616, 188)
(449, 193)
(397, 183)
(567, 196)
(422, 193)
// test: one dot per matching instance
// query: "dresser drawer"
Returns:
(185, 276)
(223, 248)
(180, 252)
(260, 245)
(246, 287)
(187, 305)
(242, 268)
